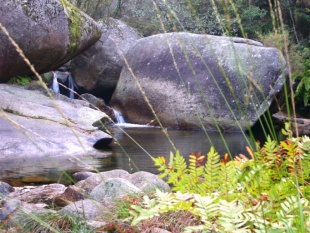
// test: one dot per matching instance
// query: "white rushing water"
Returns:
(66, 79)
(55, 85)
(71, 86)
(119, 117)
(120, 122)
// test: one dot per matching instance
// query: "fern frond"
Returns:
(177, 168)
(212, 171)
(234, 218)
(228, 179)
(256, 180)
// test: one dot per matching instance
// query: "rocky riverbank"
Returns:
(93, 197)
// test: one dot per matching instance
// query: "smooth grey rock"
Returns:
(5, 189)
(95, 224)
(198, 81)
(34, 125)
(148, 182)
(49, 32)
(78, 176)
(91, 182)
(87, 209)
(112, 189)
(98, 103)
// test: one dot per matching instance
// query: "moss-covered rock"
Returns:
(49, 32)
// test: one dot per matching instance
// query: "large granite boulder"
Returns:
(198, 81)
(50, 33)
(59, 131)
(97, 70)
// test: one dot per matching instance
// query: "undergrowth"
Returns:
(21, 80)
(268, 191)
(52, 222)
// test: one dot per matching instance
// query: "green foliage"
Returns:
(213, 176)
(254, 19)
(221, 215)
(269, 193)
(302, 92)
(21, 80)
(123, 205)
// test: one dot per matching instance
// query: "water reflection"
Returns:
(131, 157)
(20, 172)
(128, 156)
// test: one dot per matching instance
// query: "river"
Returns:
(131, 151)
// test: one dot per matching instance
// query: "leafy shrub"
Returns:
(302, 93)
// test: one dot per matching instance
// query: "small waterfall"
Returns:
(67, 85)
(55, 85)
(119, 118)
(71, 86)
(120, 122)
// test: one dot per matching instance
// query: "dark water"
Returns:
(128, 156)
(155, 143)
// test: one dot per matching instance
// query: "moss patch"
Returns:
(75, 26)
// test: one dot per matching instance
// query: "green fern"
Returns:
(268, 193)
(196, 177)
(226, 216)
(162, 203)
(212, 171)
(229, 180)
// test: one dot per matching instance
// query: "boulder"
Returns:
(147, 182)
(95, 209)
(35, 126)
(97, 70)
(93, 181)
(86, 209)
(70, 195)
(106, 187)
(155, 16)
(49, 32)
(41, 194)
(79, 176)
(5, 189)
(113, 189)
(198, 81)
